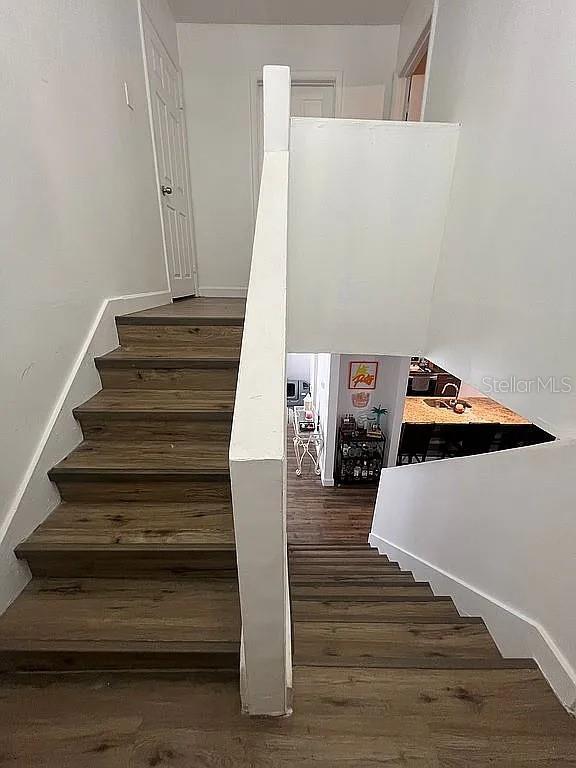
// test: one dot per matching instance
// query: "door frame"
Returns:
(401, 87)
(333, 77)
(142, 14)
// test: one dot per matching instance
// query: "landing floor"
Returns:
(343, 717)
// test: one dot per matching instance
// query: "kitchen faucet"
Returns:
(454, 400)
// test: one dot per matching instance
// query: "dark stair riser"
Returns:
(136, 376)
(116, 562)
(131, 657)
(115, 427)
(145, 486)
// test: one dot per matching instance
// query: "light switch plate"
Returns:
(127, 95)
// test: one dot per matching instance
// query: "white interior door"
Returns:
(170, 149)
(307, 99)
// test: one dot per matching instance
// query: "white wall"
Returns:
(298, 366)
(505, 298)
(390, 392)
(325, 388)
(80, 218)
(368, 202)
(497, 532)
(221, 64)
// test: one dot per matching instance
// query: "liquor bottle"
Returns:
(365, 470)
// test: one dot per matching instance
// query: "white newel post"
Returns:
(258, 443)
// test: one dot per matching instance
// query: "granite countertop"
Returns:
(483, 411)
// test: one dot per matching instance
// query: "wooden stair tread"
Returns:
(189, 312)
(393, 577)
(149, 456)
(136, 524)
(402, 609)
(441, 639)
(173, 356)
(344, 569)
(93, 611)
(415, 662)
(379, 591)
(162, 402)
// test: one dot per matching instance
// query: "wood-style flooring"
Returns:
(136, 568)
(138, 561)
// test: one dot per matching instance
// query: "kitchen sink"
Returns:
(438, 402)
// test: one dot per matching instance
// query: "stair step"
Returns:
(416, 662)
(166, 561)
(149, 471)
(331, 548)
(162, 457)
(166, 357)
(145, 486)
(369, 591)
(196, 311)
(347, 562)
(129, 373)
(213, 338)
(450, 638)
(62, 624)
(344, 568)
(144, 540)
(399, 610)
(165, 415)
(336, 555)
(203, 523)
(392, 577)
(170, 404)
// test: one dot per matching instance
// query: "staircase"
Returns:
(136, 568)
(354, 608)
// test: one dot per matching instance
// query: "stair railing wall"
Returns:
(367, 206)
(258, 442)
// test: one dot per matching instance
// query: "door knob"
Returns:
(166, 190)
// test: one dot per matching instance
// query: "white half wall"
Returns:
(79, 210)
(221, 64)
(367, 207)
(504, 307)
(496, 532)
(258, 441)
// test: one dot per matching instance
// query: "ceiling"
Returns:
(289, 11)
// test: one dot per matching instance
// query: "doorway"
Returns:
(308, 98)
(168, 123)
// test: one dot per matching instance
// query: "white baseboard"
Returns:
(516, 635)
(328, 482)
(215, 292)
(36, 496)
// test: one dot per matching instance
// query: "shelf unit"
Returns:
(359, 455)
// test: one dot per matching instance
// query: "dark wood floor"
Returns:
(353, 612)
(326, 515)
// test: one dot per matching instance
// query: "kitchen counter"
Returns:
(483, 411)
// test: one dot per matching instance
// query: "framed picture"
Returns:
(362, 375)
